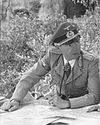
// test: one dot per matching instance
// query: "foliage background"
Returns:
(25, 40)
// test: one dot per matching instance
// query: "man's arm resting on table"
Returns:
(18, 95)
(93, 87)
(22, 89)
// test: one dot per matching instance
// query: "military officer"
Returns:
(74, 72)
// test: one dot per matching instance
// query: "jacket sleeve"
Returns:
(31, 77)
(93, 88)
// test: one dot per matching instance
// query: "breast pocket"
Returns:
(81, 82)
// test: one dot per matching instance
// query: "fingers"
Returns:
(94, 108)
(6, 106)
(13, 108)
(10, 106)
(52, 102)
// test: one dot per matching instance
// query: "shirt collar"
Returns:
(71, 62)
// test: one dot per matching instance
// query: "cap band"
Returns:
(65, 40)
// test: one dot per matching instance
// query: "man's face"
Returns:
(71, 51)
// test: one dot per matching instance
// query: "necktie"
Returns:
(67, 71)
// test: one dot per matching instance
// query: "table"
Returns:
(40, 113)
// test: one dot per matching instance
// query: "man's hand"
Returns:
(58, 102)
(10, 105)
(94, 108)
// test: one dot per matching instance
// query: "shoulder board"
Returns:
(88, 56)
(54, 49)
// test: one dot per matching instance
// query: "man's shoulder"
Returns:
(88, 56)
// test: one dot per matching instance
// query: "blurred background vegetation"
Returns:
(27, 27)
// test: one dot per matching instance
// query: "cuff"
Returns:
(15, 100)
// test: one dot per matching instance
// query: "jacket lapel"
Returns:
(75, 73)
(59, 68)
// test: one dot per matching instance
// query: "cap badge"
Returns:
(70, 34)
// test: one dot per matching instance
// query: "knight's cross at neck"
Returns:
(71, 62)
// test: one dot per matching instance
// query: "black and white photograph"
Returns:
(49, 62)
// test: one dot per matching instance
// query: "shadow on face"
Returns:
(71, 51)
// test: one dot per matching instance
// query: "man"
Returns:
(75, 73)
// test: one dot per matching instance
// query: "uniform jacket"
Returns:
(82, 86)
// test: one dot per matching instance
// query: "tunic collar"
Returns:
(71, 62)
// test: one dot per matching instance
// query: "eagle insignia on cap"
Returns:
(70, 34)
